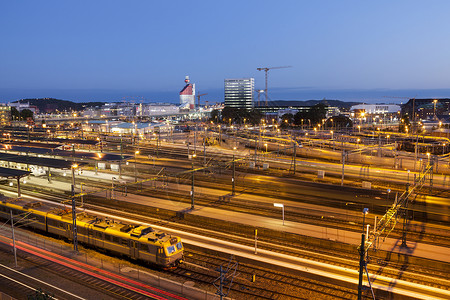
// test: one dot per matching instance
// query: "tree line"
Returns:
(309, 117)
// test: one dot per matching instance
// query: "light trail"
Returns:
(66, 262)
(35, 279)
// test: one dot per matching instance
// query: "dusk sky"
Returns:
(105, 50)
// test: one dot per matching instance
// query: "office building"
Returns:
(239, 93)
(187, 95)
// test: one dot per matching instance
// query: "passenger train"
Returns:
(134, 241)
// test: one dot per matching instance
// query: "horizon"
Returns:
(372, 96)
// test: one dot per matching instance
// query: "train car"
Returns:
(130, 240)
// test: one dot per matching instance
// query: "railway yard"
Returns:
(237, 243)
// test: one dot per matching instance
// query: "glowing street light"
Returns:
(282, 209)
(135, 174)
(434, 110)
(74, 212)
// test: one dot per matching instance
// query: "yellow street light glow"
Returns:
(137, 152)
(74, 166)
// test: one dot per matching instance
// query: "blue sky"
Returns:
(80, 50)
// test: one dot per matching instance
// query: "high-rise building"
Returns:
(5, 115)
(239, 93)
(187, 94)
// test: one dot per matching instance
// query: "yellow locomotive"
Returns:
(138, 242)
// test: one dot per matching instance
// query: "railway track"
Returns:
(268, 284)
(341, 220)
(339, 259)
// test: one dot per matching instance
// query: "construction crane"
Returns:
(198, 98)
(265, 69)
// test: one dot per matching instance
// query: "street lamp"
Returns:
(428, 158)
(388, 192)
(74, 212)
(331, 134)
(365, 212)
(135, 174)
(434, 110)
(282, 209)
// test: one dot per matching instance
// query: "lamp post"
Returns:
(135, 172)
(265, 154)
(362, 253)
(434, 109)
(74, 213)
(233, 183)
(282, 209)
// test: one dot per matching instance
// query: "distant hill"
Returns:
(334, 103)
(49, 105)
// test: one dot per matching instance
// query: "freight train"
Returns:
(137, 242)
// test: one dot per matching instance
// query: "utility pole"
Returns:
(121, 157)
(192, 188)
(204, 148)
(295, 156)
(195, 139)
(343, 166)
(74, 212)
(361, 265)
(233, 179)
(13, 238)
(158, 142)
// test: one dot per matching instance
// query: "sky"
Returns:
(109, 50)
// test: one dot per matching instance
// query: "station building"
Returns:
(375, 114)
